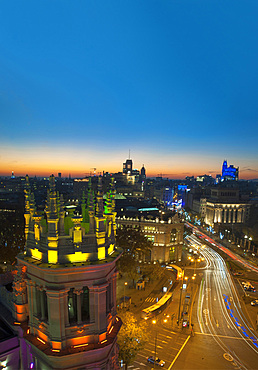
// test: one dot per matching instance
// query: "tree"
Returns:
(135, 246)
(131, 338)
(133, 242)
(127, 264)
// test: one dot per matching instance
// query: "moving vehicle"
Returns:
(185, 322)
(157, 307)
(158, 361)
(255, 302)
(246, 283)
(249, 288)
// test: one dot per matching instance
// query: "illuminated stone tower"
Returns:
(68, 314)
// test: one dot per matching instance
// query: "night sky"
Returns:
(174, 81)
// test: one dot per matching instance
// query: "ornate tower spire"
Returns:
(61, 215)
(90, 206)
(52, 219)
(99, 199)
(108, 206)
(52, 206)
(27, 194)
(99, 221)
(32, 204)
(83, 206)
(113, 194)
(113, 202)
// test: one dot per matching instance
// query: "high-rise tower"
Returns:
(65, 287)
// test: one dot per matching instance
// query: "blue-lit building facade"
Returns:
(229, 173)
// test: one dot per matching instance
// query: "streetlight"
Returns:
(182, 279)
(154, 322)
(124, 292)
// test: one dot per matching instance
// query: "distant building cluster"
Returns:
(70, 254)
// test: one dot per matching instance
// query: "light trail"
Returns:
(221, 247)
(217, 283)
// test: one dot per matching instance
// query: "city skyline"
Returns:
(82, 83)
(90, 171)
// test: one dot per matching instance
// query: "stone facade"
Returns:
(167, 236)
(64, 290)
(226, 213)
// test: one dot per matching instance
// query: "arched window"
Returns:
(85, 304)
(72, 306)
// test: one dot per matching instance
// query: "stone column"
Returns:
(230, 215)
(220, 216)
(100, 292)
(239, 211)
(56, 314)
(65, 308)
(79, 308)
(42, 304)
(38, 301)
(243, 215)
(215, 215)
(31, 300)
(113, 293)
(225, 215)
(92, 303)
(234, 215)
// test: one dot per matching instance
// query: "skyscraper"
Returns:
(128, 167)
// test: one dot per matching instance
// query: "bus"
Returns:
(157, 307)
(176, 269)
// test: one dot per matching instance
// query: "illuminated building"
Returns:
(64, 291)
(167, 236)
(128, 166)
(168, 194)
(229, 173)
(225, 207)
(143, 173)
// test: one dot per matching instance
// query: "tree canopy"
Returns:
(135, 246)
(133, 241)
(131, 338)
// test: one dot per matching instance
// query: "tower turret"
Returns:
(70, 268)
(27, 193)
(99, 222)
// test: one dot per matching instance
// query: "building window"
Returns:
(85, 306)
(72, 306)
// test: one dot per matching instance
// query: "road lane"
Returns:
(219, 311)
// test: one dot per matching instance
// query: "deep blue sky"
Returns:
(82, 82)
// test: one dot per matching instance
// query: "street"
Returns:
(222, 337)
